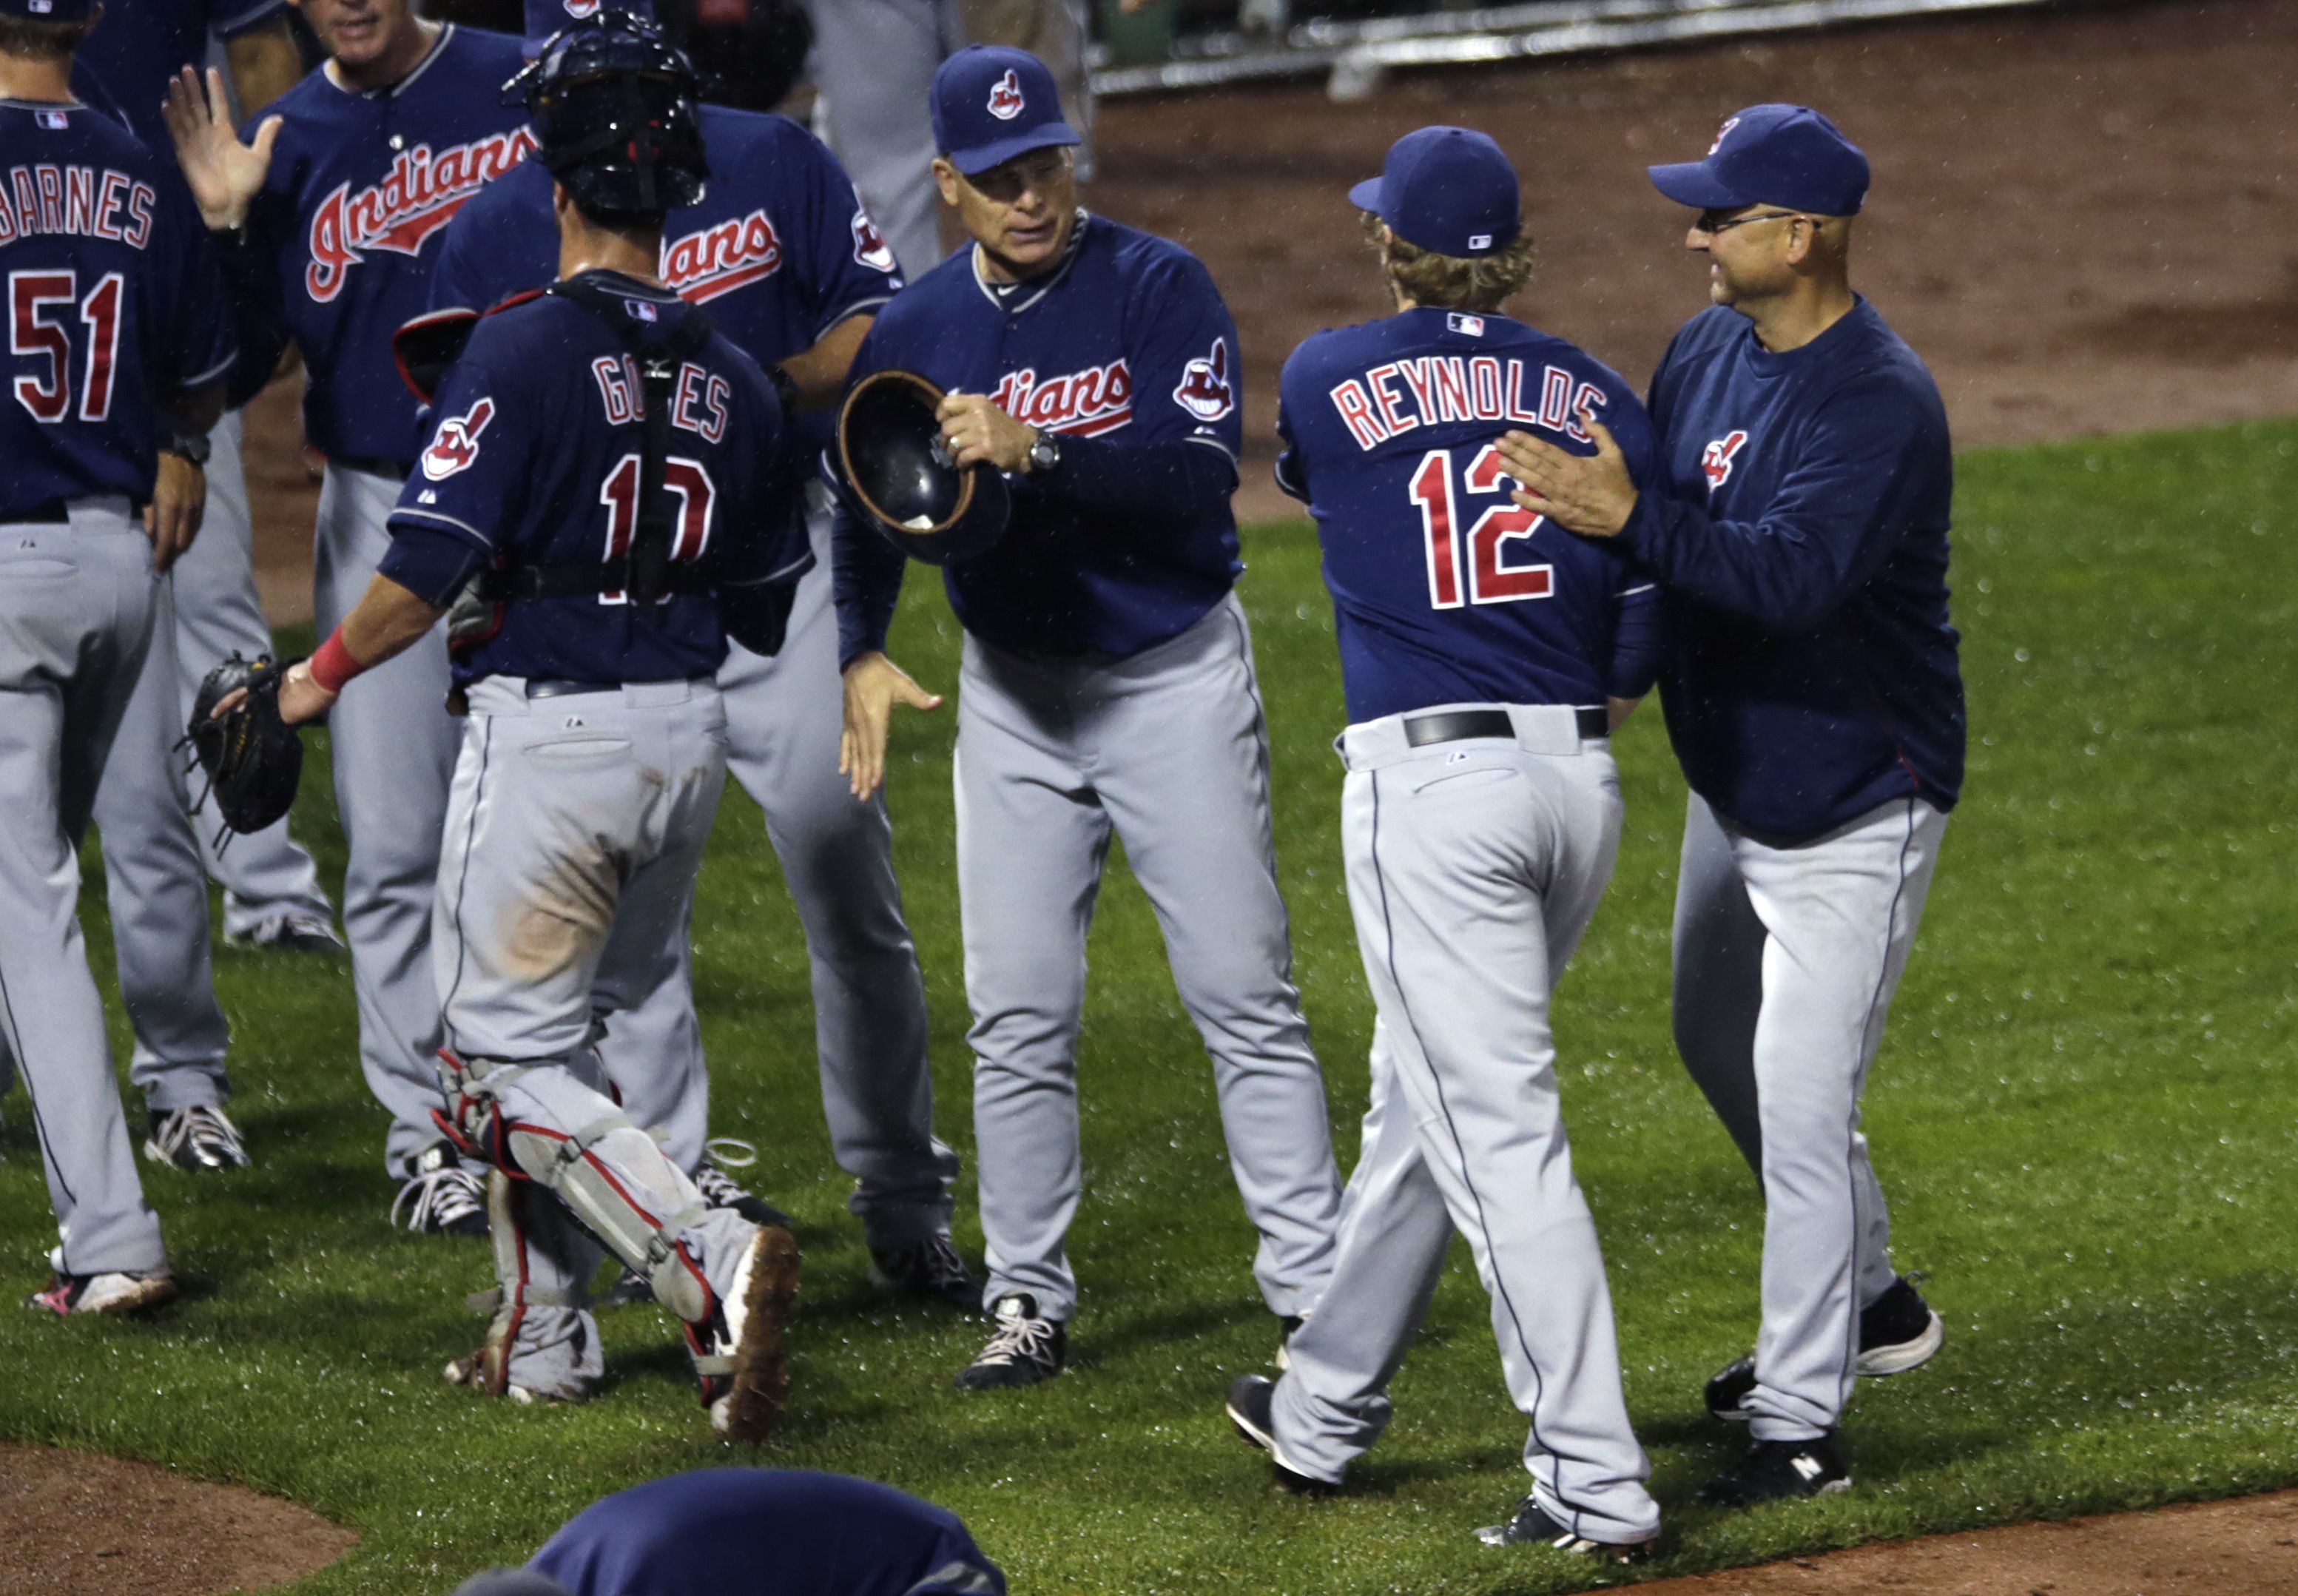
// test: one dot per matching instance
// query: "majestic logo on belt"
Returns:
(1715, 459)
(1006, 98)
(718, 259)
(1205, 391)
(417, 196)
(456, 446)
(870, 245)
(1085, 403)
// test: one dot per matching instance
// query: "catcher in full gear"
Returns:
(602, 503)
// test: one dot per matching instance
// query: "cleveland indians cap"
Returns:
(48, 10)
(546, 17)
(991, 103)
(1447, 190)
(1772, 156)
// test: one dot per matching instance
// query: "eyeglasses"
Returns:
(1711, 225)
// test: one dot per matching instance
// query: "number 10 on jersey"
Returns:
(1485, 578)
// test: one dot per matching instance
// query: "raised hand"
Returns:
(225, 175)
(1590, 494)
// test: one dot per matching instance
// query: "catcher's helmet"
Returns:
(890, 451)
(613, 104)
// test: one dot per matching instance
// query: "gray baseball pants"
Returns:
(784, 715)
(875, 62)
(264, 873)
(1786, 958)
(1472, 869)
(1167, 750)
(76, 605)
(575, 833)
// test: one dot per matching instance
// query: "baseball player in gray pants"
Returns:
(1480, 820)
(1107, 689)
(1800, 530)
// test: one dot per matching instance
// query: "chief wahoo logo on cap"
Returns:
(1006, 97)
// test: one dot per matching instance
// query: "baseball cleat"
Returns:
(1533, 1526)
(289, 933)
(630, 1287)
(114, 1292)
(196, 1139)
(1781, 1471)
(441, 1197)
(1897, 1332)
(748, 1394)
(1027, 1348)
(1250, 1401)
(930, 1271)
(482, 1372)
(722, 1190)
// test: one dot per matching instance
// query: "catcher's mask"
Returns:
(889, 451)
(613, 105)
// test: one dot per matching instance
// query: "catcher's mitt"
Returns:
(253, 758)
(890, 455)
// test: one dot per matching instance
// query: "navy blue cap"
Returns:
(992, 103)
(1447, 190)
(47, 10)
(546, 17)
(1772, 156)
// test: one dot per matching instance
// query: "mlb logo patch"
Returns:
(1480, 241)
(643, 309)
(1006, 97)
(1461, 321)
(54, 121)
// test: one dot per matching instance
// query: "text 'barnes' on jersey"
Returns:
(341, 239)
(780, 248)
(1444, 592)
(113, 300)
(534, 459)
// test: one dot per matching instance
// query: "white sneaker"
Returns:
(198, 1139)
(67, 1295)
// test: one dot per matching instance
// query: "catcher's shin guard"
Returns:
(543, 1124)
(540, 1342)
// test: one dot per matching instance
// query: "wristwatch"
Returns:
(193, 446)
(1045, 454)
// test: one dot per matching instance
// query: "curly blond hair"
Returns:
(1452, 282)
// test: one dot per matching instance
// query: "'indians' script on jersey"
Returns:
(416, 197)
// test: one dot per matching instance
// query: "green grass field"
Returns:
(2083, 1115)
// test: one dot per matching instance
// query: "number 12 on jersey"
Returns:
(1487, 580)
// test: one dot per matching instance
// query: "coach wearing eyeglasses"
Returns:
(1812, 693)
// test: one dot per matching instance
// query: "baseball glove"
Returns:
(890, 455)
(253, 759)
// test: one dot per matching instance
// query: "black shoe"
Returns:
(441, 1197)
(1781, 1471)
(200, 1139)
(1027, 1348)
(1249, 1399)
(1897, 1332)
(630, 1287)
(1532, 1525)
(931, 1271)
(722, 1190)
(289, 933)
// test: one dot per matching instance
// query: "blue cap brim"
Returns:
(1366, 195)
(1691, 183)
(978, 160)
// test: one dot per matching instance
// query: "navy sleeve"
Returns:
(434, 563)
(849, 266)
(198, 333)
(1291, 474)
(1836, 518)
(865, 574)
(475, 465)
(1637, 643)
(1146, 484)
(259, 306)
(458, 277)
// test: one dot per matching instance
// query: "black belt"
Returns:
(370, 464)
(1455, 725)
(557, 687)
(55, 512)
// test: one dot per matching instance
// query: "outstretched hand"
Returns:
(225, 175)
(1592, 495)
(874, 684)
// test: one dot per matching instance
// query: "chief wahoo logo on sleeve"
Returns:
(1715, 459)
(1006, 97)
(1205, 391)
(456, 446)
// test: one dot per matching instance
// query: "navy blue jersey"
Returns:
(113, 299)
(1803, 545)
(139, 45)
(1128, 341)
(780, 248)
(1444, 590)
(341, 240)
(534, 460)
(765, 1532)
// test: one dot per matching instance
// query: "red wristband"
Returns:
(333, 665)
